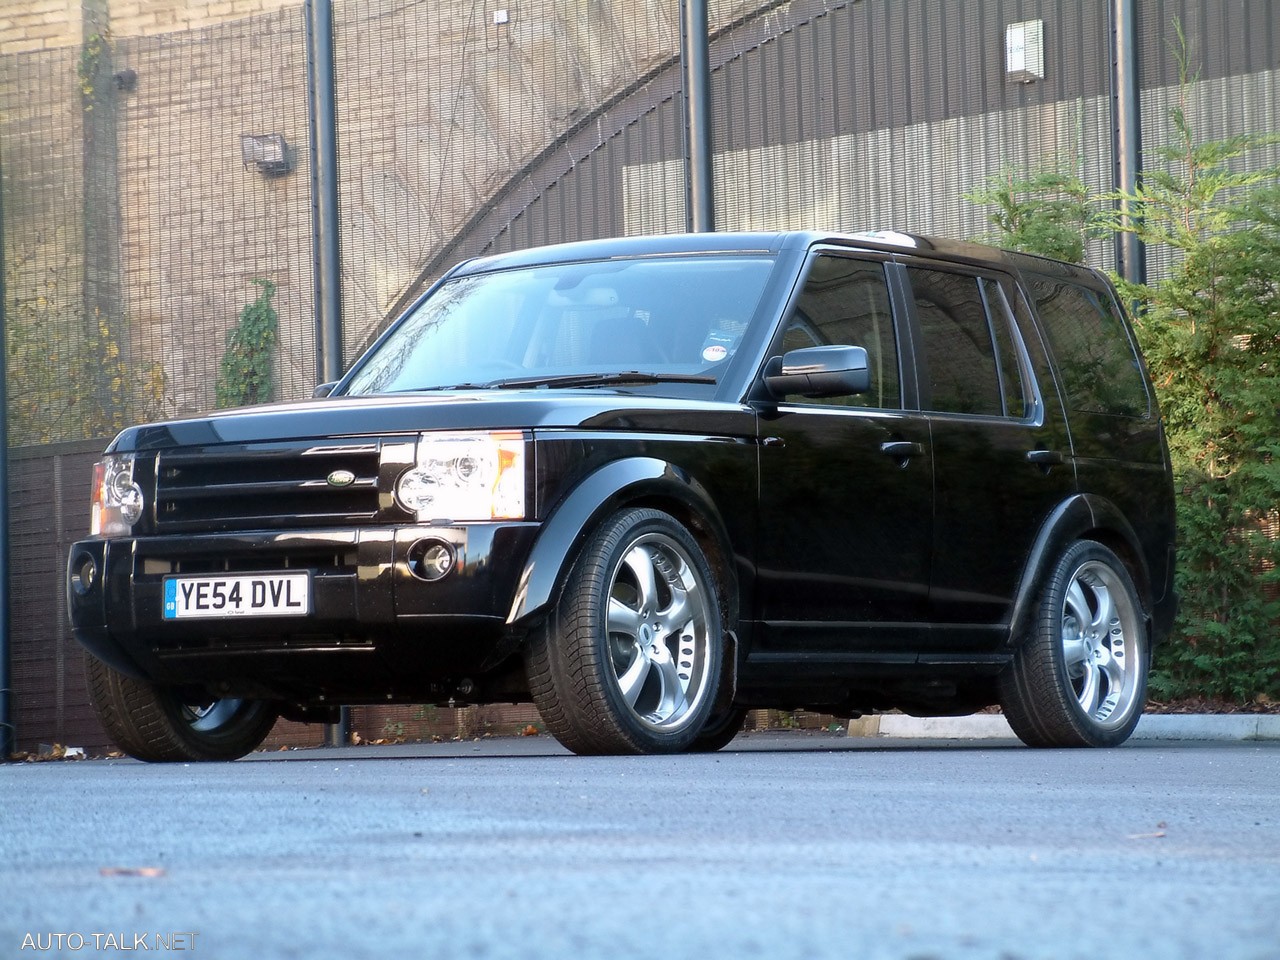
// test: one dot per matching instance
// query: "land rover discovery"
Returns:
(649, 484)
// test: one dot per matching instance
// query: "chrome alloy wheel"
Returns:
(659, 636)
(1101, 633)
(210, 715)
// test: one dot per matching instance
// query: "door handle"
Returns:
(901, 449)
(1045, 458)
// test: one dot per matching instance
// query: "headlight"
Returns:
(117, 500)
(463, 477)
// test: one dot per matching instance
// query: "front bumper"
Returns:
(375, 632)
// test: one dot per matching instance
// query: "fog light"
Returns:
(85, 576)
(431, 560)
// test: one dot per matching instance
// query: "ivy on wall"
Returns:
(89, 71)
(58, 370)
(247, 372)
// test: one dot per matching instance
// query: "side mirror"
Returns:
(829, 371)
(322, 390)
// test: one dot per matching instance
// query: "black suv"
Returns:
(648, 484)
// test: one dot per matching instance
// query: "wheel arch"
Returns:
(630, 482)
(1083, 516)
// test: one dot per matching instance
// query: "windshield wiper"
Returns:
(600, 379)
(454, 386)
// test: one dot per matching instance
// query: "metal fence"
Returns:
(156, 163)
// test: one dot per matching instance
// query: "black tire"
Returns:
(720, 730)
(164, 724)
(630, 659)
(1080, 678)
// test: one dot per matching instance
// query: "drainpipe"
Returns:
(1126, 115)
(695, 56)
(322, 118)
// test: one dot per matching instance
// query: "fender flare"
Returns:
(1073, 519)
(612, 486)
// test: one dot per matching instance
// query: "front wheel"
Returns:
(630, 660)
(1080, 679)
(720, 730)
(166, 724)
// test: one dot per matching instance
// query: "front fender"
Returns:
(87, 596)
(612, 486)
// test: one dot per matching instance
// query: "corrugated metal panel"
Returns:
(1225, 37)
(920, 82)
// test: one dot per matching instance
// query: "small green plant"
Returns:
(1049, 211)
(427, 712)
(247, 364)
(89, 72)
(67, 378)
(392, 729)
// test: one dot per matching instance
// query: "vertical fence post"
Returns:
(8, 740)
(695, 57)
(322, 116)
(1126, 121)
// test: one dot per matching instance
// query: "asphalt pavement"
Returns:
(803, 845)
(1152, 726)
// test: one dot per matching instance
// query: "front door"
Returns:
(846, 486)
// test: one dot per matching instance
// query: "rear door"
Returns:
(1001, 454)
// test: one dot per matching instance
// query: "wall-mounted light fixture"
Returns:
(1024, 51)
(268, 152)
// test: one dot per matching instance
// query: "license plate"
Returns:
(240, 595)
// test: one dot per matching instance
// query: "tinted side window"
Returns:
(1017, 395)
(962, 374)
(846, 302)
(1095, 358)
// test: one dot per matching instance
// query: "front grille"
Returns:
(269, 485)
(260, 561)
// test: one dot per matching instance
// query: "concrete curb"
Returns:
(992, 726)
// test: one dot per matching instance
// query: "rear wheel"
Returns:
(164, 724)
(630, 661)
(1080, 679)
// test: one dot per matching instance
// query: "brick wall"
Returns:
(145, 18)
(197, 226)
(48, 24)
(39, 25)
(439, 108)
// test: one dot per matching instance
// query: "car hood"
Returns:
(335, 417)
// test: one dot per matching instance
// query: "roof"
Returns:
(885, 241)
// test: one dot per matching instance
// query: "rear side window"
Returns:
(1095, 358)
(962, 373)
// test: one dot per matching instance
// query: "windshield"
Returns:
(664, 319)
